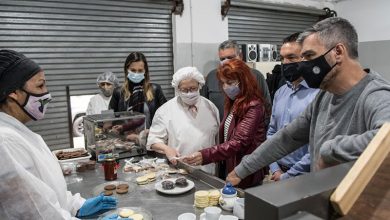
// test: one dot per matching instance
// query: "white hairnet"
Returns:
(108, 77)
(187, 73)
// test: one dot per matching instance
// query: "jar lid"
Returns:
(229, 189)
(109, 159)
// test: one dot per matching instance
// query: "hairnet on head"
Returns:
(187, 73)
(108, 77)
(15, 70)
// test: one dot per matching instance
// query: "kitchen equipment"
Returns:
(205, 177)
(115, 134)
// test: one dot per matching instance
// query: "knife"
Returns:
(205, 177)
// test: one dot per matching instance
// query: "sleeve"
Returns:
(114, 102)
(243, 136)
(274, 167)
(285, 141)
(75, 201)
(21, 193)
(158, 132)
(345, 148)
(299, 168)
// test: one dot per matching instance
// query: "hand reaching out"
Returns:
(233, 178)
(194, 159)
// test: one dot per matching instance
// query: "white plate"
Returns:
(176, 190)
(138, 210)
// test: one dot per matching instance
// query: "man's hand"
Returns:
(233, 178)
(276, 176)
(321, 164)
(194, 159)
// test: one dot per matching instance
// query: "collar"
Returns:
(300, 85)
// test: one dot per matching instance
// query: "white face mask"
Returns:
(190, 98)
(36, 105)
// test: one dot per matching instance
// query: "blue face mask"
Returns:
(135, 77)
(232, 91)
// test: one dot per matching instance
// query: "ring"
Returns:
(193, 156)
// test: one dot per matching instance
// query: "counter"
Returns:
(162, 206)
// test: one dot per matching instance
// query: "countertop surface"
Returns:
(161, 206)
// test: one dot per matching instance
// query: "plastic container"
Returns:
(74, 160)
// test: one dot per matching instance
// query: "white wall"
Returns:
(372, 22)
(370, 18)
(197, 34)
(199, 31)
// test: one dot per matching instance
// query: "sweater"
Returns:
(337, 127)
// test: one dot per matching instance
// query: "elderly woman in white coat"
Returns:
(186, 123)
(32, 185)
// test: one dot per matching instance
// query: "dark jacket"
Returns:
(118, 103)
(244, 136)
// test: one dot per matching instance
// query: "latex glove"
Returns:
(97, 205)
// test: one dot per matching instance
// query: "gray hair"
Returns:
(332, 31)
(227, 44)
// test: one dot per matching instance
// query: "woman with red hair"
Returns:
(243, 128)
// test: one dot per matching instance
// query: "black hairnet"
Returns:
(15, 70)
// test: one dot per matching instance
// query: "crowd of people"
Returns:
(226, 124)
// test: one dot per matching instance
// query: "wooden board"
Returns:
(356, 180)
(374, 202)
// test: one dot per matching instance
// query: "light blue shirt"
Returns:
(288, 104)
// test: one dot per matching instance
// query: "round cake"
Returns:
(110, 187)
(181, 182)
(108, 193)
(167, 184)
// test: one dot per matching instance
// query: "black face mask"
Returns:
(290, 71)
(314, 71)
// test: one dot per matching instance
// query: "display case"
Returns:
(115, 135)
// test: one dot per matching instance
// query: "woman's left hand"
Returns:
(194, 159)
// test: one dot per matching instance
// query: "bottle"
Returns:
(110, 169)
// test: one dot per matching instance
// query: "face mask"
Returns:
(314, 71)
(135, 77)
(107, 92)
(36, 105)
(232, 91)
(189, 98)
(290, 71)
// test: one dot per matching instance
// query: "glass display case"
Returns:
(115, 135)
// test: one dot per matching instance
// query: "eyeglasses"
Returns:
(187, 90)
(228, 57)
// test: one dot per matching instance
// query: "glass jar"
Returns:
(110, 169)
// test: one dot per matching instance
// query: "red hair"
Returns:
(237, 70)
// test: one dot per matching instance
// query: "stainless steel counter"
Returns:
(162, 206)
